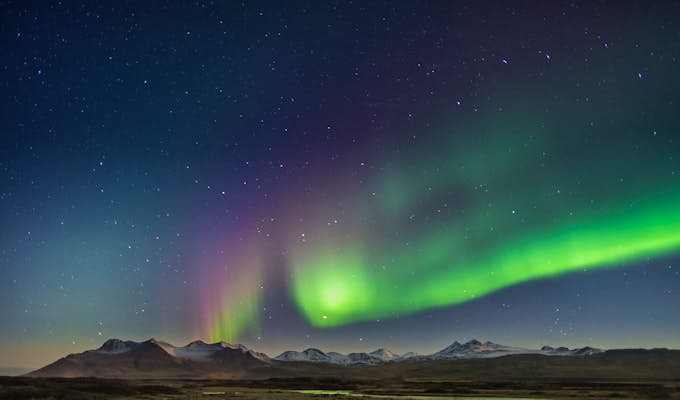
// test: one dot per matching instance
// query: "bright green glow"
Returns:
(482, 212)
(344, 285)
(333, 288)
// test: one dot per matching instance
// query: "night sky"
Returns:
(344, 176)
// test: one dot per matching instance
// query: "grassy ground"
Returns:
(306, 389)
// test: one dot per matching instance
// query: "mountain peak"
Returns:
(232, 358)
(587, 351)
(383, 353)
(116, 346)
(313, 350)
(111, 342)
(474, 348)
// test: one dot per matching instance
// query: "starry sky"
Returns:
(340, 175)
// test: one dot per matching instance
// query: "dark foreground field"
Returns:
(332, 389)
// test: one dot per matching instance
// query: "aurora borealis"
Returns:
(527, 230)
(344, 176)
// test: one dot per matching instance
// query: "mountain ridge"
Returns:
(456, 350)
(116, 357)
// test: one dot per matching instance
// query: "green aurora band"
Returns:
(227, 326)
(342, 287)
(496, 213)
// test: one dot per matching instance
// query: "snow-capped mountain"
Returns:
(586, 351)
(565, 351)
(556, 351)
(117, 358)
(116, 346)
(384, 354)
(405, 356)
(338, 358)
(364, 358)
(152, 358)
(456, 350)
(475, 349)
(316, 355)
(197, 350)
(309, 355)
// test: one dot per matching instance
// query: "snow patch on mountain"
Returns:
(384, 354)
(476, 349)
(116, 346)
(196, 351)
(201, 351)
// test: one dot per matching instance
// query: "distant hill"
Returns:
(154, 358)
(471, 360)
(456, 350)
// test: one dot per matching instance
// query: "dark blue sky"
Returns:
(166, 168)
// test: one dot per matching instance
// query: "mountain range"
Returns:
(156, 358)
(470, 349)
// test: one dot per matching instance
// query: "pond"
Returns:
(409, 397)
